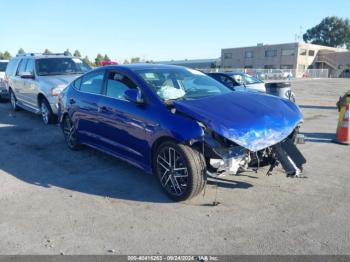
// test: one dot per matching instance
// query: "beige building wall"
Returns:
(284, 56)
(312, 51)
(341, 60)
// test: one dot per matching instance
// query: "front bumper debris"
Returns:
(234, 160)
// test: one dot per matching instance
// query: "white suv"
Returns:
(3, 89)
(34, 81)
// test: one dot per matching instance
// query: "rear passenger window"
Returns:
(77, 83)
(117, 84)
(22, 67)
(92, 83)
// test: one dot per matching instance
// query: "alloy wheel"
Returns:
(45, 113)
(69, 133)
(172, 171)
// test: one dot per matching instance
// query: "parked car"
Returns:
(278, 74)
(179, 124)
(34, 81)
(239, 81)
(108, 62)
(281, 89)
(260, 75)
(3, 90)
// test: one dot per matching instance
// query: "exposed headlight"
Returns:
(57, 90)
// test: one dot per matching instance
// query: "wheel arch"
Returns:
(156, 144)
(40, 98)
(194, 144)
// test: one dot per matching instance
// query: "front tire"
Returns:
(46, 112)
(180, 169)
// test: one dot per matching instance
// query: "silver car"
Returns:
(3, 90)
(251, 83)
(34, 81)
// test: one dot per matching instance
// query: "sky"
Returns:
(157, 29)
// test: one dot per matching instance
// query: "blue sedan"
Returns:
(178, 123)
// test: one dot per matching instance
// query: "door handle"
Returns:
(71, 101)
(102, 109)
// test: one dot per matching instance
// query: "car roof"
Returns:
(141, 66)
(43, 56)
(51, 56)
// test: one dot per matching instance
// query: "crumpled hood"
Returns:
(59, 80)
(252, 120)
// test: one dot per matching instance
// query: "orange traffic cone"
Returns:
(343, 131)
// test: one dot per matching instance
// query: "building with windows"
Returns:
(280, 56)
(338, 63)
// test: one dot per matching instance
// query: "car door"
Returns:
(83, 107)
(123, 123)
(30, 86)
(18, 81)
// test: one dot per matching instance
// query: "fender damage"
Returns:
(247, 129)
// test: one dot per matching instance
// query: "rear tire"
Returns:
(46, 112)
(13, 101)
(70, 133)
(180, 169)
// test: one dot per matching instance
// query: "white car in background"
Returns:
(238, 81)
(3, 89)
(278, 74)
(251, 83)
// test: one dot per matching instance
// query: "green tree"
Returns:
(126, 62)
(135, 60)
(20, 51)
(47, 52)
(106, 58)
(86, 60)
(6, 55)
(67, 53)
(98, 59)
(333, 31)
(77, 54)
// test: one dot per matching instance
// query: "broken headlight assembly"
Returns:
(223, 155)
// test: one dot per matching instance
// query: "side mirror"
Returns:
(134, 95)
(27, 75)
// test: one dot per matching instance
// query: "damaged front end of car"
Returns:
(244, 131)
(224, 157)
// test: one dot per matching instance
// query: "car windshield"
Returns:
(181, 83)
(61, 66)
(246, 79)
(3, 66)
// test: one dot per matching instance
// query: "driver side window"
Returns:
(117, 84)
